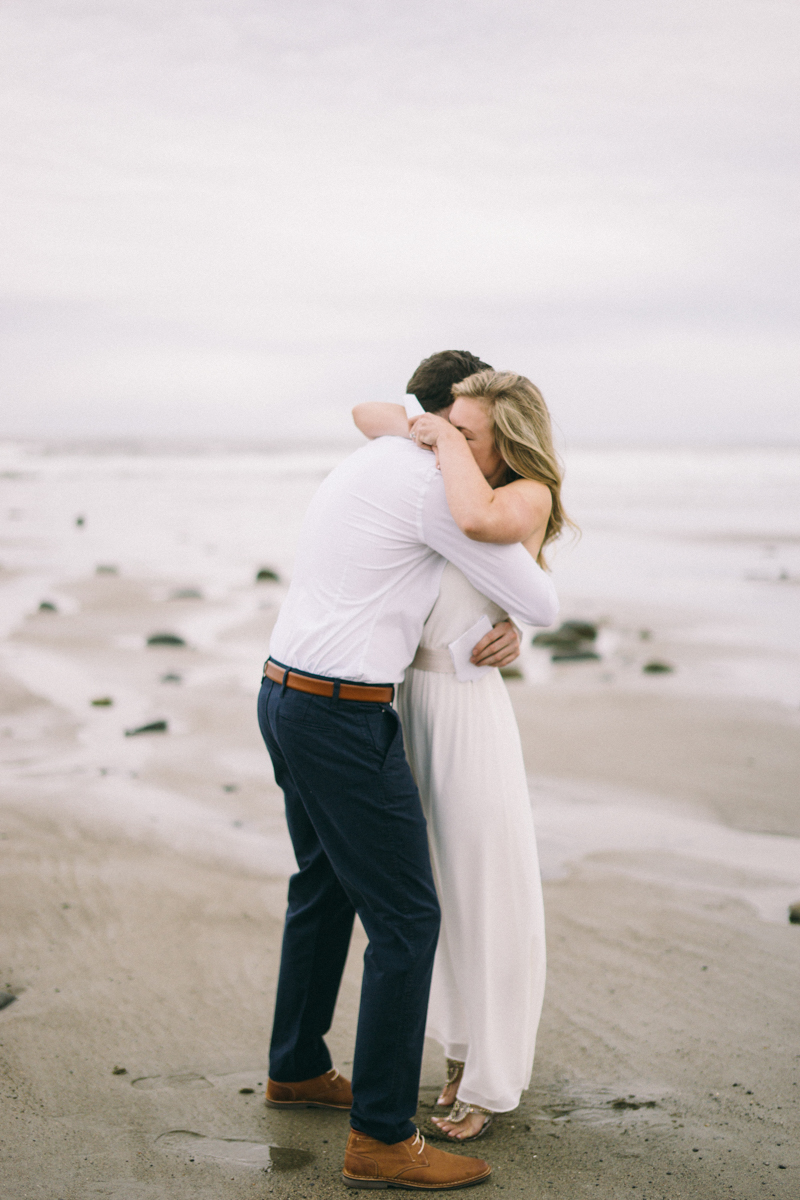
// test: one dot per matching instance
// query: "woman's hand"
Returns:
(427, 429)
(498, 648)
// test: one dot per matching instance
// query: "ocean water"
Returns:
(699, 547)
(698, 550)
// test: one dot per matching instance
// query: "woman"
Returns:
(503, 484)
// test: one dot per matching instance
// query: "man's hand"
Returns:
(498, 648)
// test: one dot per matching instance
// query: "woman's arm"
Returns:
(516, 512)
(376, 419)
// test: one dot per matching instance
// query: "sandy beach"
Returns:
(143, 877)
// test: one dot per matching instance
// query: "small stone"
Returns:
(105, 569)
(187, 594)
(575, 656)
(645, 635)
(171, 677)
(47, 606)
(584, 631)
(165, 639)
(794, 913)
(511, 673)
(119, 1071)
(657, 668)
(153, 727)
(102, 702)
(80, 521)
(6, 998)
(230, 787)
(245, 1091)
(267, 575)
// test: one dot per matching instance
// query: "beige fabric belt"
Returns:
(434, 660)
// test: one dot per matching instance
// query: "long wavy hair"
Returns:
(523, 436)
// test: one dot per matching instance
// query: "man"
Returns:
(371, 555)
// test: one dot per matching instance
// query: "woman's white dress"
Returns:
(464, 749)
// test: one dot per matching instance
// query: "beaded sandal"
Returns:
(455, 1070)
(460, 1111)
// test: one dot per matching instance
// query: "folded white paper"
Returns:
(461, 651)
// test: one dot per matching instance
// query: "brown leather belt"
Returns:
(324, 687)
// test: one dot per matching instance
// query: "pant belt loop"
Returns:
(284, 682)
(336, 685)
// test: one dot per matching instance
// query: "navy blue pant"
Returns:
(360, 840)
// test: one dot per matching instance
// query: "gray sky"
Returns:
(233, 217)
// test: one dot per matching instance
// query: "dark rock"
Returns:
(105, 569)
(165, 639)
(246, 1091)
(569, 635)
(645, 635)
(6, 998)
(119, 1071)
(267, 575)
(171, 677)
(230, 787)
(80, 521)
(153, 727)
(47, 606)
(102, 702)
(574, 656)
(187, 594)
(794, 913)
(657, 668)
(583, 630)
(511, 672)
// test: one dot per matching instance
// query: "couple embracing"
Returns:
(413, 547)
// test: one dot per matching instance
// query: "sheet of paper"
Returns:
(462, 648)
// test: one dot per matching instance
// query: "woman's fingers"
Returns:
(498, 648)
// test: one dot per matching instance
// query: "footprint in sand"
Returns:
(238, 1152)
(188, 1079)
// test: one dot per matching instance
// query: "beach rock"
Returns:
(246, 1091)
(80, 521)
(119, 1071)
(153, 727)
(171, 677)
(47, 606)
(6, 998)
(267, 575)
(657, 668)
(794, 914)
(165, 639)
(573, 641)
(187, 594)
(105, 569)
(568, 634)
(584, 631)
(102, 702)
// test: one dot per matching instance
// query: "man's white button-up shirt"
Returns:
(369, 563)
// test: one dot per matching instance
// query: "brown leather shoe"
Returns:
(330, 1090)
(410, 1164)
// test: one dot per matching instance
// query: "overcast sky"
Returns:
(235, 217)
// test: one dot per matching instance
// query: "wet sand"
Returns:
(143, 882)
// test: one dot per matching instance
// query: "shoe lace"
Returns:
(421, 1139)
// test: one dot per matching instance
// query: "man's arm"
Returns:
(506, 574)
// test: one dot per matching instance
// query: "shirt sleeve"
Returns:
(506, 574)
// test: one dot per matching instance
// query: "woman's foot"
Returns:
(464, 1122)
(455, 1070)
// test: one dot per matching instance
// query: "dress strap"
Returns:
(434, 660)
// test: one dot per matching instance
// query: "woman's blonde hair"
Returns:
(522, 435)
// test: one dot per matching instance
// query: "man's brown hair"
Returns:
(433, 379)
